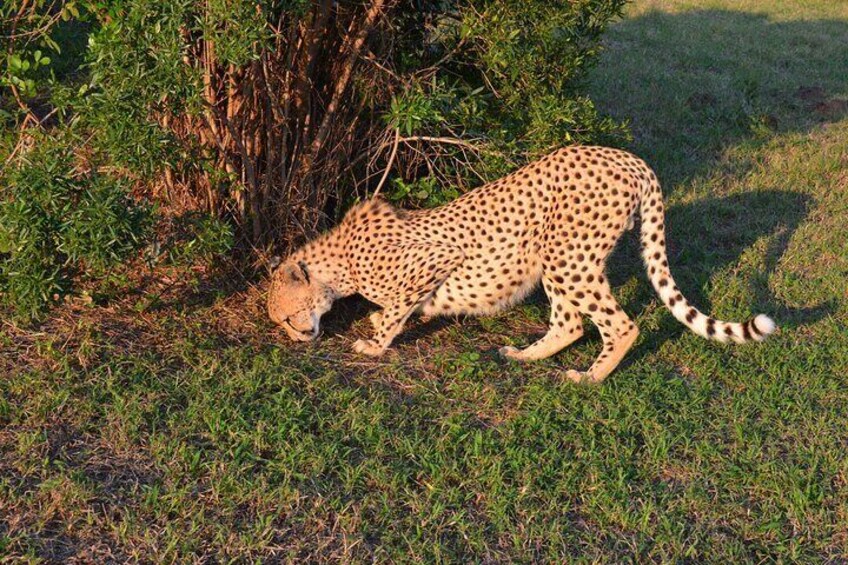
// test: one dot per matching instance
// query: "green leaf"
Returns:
(52, 44)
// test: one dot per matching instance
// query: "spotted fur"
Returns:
(555, 220)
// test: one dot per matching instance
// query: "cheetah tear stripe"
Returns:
(654, 253)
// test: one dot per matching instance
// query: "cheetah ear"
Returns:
(274, 262)
(296, 272)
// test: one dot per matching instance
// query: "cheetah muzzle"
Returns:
(555, 220)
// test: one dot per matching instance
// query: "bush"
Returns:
(56, 222)
(190, 238)
(276, 115)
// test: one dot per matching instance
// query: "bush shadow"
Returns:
(695, 83)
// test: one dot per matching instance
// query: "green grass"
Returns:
(194, 432)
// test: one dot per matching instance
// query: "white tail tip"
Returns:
(764, 325)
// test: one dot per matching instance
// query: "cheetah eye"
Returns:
(303, 270)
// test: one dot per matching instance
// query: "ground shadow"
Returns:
(349, 311)
(705, 236)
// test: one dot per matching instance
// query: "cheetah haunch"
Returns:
(555, 220)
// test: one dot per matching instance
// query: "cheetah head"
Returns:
(296, 301)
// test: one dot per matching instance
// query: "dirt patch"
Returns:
(831, 108)
(819, 103)
(701, 101)
(152, 312)
(810, 93)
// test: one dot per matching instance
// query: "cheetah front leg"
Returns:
(387, 323)
(565, 328)
(376, 318)
(421, 268)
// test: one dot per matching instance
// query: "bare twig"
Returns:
(444, 141)
(389, 164)
(355, 46)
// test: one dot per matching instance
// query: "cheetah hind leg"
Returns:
(618, 333)
(565, 328)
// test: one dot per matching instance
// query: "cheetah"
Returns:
(555, 220)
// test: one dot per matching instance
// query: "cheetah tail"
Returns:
(656, 261)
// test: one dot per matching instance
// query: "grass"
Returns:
(191, 431)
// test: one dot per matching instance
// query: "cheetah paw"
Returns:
(510, 352)
(578, 376)
(368, 347)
